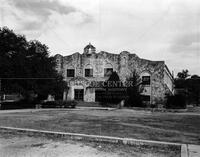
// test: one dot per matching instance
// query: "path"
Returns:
(194, 150)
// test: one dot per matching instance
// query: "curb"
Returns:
(95, 138)
(184, 150)
(96, 108)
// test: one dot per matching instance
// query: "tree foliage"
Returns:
(134, 91)
(177, 101)
(193, 89)
(114, 89)
(189, 87)
(183, 75)
(26, 66)
(114, 77)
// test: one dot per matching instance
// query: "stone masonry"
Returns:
(124, 63)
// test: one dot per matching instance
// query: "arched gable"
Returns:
(88, 66)
(145, 73)
(70, 67)
(108, 65)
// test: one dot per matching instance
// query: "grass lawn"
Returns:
(171, 127)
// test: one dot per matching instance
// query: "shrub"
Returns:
(69, 104)
(22, 104)
(49, 104)
(134, 92)
(113, 96)
(59, 104)
(176, 102)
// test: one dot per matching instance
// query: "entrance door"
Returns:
(99, 95)
(78, 94)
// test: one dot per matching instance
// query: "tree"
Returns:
(193, 89)
(26, 66)
(188, 87)
(183, 75)
(176, 101)
(180, 81)
(134, 91)
(114, 77)
(114, 89)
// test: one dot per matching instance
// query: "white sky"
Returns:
(166, 30)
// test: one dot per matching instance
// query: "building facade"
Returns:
(79, 69)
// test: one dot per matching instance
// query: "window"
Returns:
(146, 80)
(108, 71)
(88, 72)
(145, 97)
(70, 72)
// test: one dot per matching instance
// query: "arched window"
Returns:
(70, 71)
(124, 61)
(88, 71)
(108, 70)
(146, 78)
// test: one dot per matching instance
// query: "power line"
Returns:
(26, 78)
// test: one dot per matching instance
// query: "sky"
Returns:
(166, 30)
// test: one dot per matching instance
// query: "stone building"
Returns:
(79, 69)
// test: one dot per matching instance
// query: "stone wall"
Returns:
(124, 64)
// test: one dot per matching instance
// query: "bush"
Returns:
(68, 104)
(176, 102)
(22, 104)
(134, 91)
(49, 104)
(59, 104)
(106, 104)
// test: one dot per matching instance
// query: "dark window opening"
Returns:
(146, 80)
(88, 72)
(70, 72)
(108, 71)
(145, 98)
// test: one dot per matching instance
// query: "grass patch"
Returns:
(170, 127)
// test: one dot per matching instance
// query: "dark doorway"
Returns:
(78, 94)
(99, 95)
